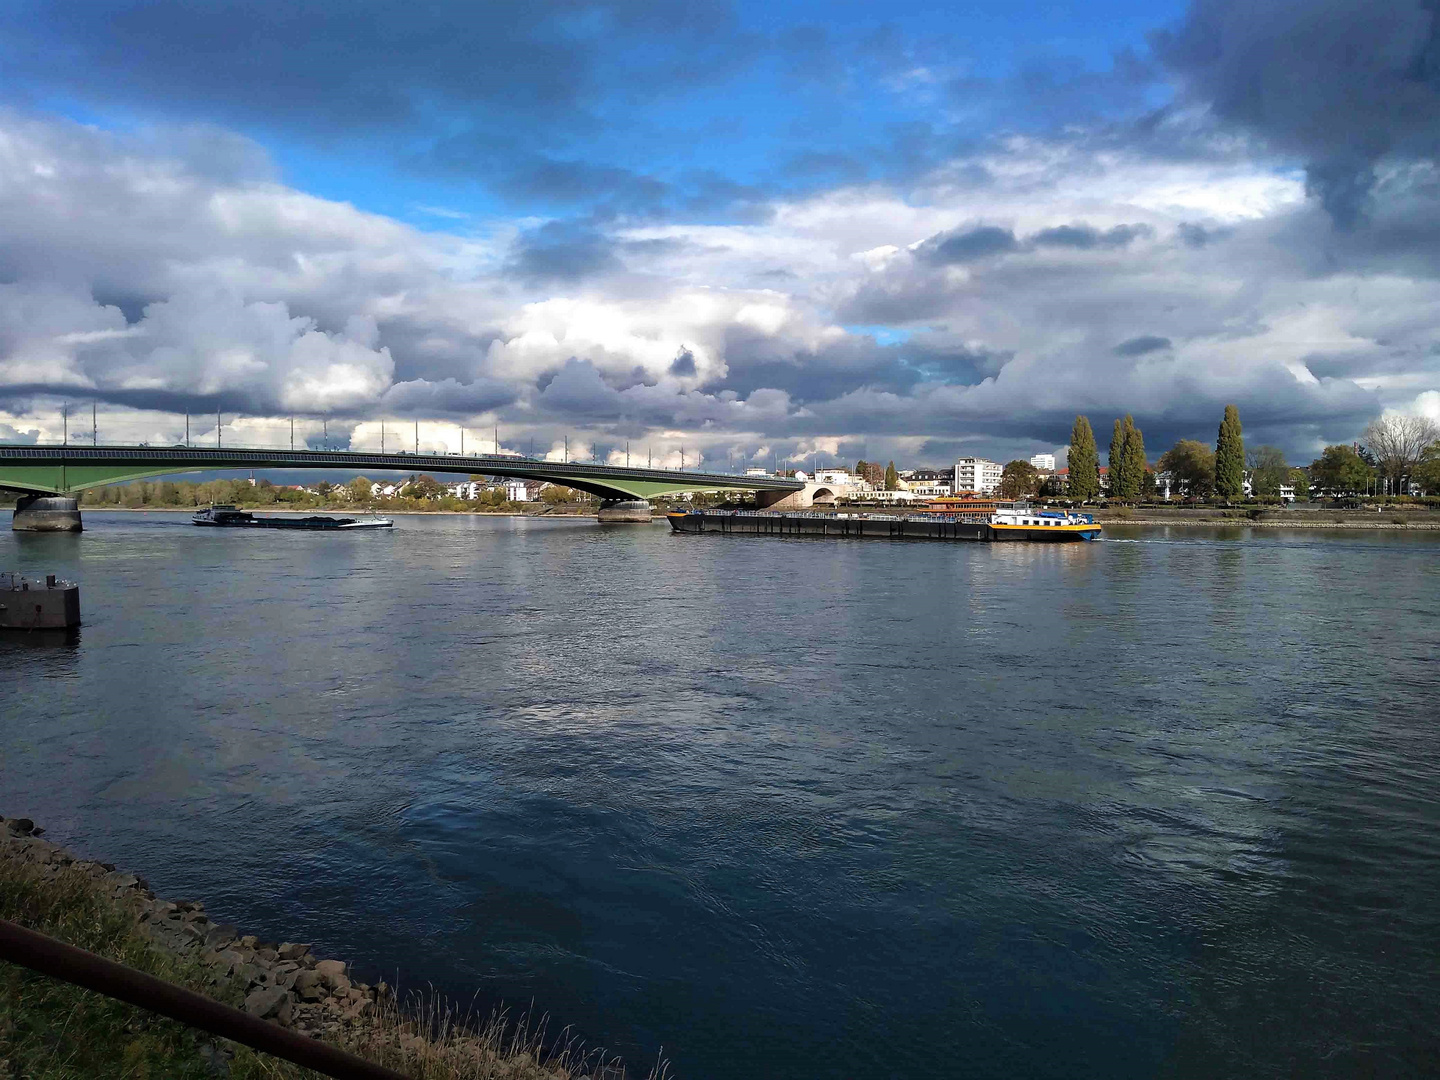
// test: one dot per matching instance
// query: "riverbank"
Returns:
(50, 1029)
(1416, 520)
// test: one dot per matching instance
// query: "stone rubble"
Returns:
(283, 982)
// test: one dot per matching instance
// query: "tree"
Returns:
(359, 489)
(1301, 483)
(558, 493)
(1230, 456)
(1018, 480)
(1084, 463)
(1148, 490)
(1268, 472)
(1132, 462)
(1192, 466)
(860, 468)
(892, 478)
(424, 486)
(1340, 470)
(1117, 451)
(1397, 442)
(1427, 469)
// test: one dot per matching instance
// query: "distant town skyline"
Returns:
(763, 233)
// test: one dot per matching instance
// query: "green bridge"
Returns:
(61, 471)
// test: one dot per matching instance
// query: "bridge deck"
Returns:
(61, 469)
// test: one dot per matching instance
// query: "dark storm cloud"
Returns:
(1086, 237)
(362, 63)
(1340, 83)
(684, 364)
(562, 251)
(449, 397)
(966, 245)
(1139, 346)
(758, 361)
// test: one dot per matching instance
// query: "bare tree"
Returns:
(1397, 443)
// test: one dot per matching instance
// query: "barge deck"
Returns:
(1035, 526)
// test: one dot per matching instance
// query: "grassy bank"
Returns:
(50, 1030)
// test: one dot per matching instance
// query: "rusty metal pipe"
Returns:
(58, 960)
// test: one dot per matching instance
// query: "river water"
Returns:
(1163, 805)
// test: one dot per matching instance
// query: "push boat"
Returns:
(1005, 522)
(232, 517)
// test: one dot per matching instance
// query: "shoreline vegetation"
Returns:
(51, 1030)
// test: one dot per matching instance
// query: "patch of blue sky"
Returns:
(883, 335)
(786, 98)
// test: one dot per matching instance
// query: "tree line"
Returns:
(1394, 452)
(421, 492)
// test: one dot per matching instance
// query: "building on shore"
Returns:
(1044, 463)
(977, 474)
(929, 483)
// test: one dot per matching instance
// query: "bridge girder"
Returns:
(67, 470)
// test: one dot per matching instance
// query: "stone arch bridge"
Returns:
(51, 476)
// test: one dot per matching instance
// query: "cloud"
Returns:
(898, 322)
(1086, 237)
(562, 252)
(966, 245)
(1139, 346)
(1343, 84)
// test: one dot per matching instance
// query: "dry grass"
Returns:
(50, 1030)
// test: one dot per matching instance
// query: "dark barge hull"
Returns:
(280, 523)
(913, 528)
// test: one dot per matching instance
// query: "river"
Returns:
(1162, 805)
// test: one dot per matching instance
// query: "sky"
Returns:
(749, 233)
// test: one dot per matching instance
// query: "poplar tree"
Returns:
(1084, 462)
(1117, 452)
(892, 478)
(1132, 462)
(1230, 456)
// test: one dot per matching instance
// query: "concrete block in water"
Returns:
(47, 513)
(624, 512)
(38, 605)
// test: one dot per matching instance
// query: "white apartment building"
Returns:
(1044, 462)
(977, 474)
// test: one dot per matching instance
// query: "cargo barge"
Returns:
(1007, 522)
(232, 517)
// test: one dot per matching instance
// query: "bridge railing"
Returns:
(391, 458)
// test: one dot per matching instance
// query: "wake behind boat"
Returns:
(232, 517)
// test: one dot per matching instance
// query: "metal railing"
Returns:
(401, 460)
(45, 955)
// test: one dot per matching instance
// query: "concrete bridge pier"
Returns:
(624, 512)
(47, 513)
